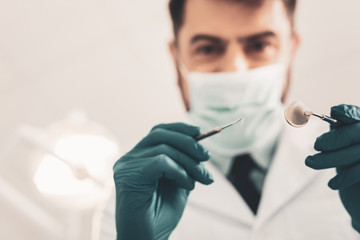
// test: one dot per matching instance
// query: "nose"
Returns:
(235, 60)
(240, 63)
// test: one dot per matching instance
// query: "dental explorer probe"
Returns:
(217, 130)
(297, 114)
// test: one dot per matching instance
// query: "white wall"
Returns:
(327, 68)
(109, 58)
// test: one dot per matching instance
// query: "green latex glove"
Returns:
(340, 148)
(154, 179)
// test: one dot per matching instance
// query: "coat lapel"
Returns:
(288, 175)
(221, 199)
(286, 178)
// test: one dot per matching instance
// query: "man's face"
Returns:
(226, 36)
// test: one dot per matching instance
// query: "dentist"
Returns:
(233, 59)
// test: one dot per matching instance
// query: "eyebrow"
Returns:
(211, 38)
(216, 39)
(258, 35)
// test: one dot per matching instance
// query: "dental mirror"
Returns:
(297, 114)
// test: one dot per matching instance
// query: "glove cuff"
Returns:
(355, 225)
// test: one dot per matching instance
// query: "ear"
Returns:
(294, 48)
(296, 43)
(182, 84)
(172, 50)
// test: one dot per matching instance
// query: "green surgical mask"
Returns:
(254, 95)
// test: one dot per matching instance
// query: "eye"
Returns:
(258, 46)
(208, 49)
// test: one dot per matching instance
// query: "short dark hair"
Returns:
(176, 8)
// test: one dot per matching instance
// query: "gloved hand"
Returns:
(154, 179)
(340, 148)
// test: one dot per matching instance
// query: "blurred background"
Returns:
(87, 79)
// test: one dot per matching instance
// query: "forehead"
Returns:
(233, 18)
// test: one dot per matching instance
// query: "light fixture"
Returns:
(74, 161)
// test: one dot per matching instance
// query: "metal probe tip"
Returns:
(217, 130)
(241, 120)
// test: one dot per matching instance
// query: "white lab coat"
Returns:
(296, 203)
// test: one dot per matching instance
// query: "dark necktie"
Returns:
(239, 176)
